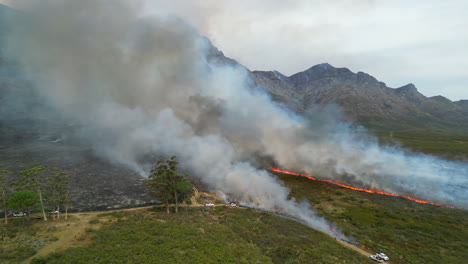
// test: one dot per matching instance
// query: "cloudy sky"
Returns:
(421, 41)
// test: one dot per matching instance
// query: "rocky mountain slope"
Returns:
(364, 99)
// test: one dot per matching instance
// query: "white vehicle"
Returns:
(376, 258)
(382, 256)
(19, 214)
(210, 204)
(54, 212)
(233, 204)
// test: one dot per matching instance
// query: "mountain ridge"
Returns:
(364, 99)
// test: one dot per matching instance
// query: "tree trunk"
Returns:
(42, 204)
(58, 211)
(66, 211)
(6, 207)
(176, 202)
(167, 206)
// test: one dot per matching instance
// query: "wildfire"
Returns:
(377, 191)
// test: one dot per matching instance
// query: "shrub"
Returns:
(94, 221)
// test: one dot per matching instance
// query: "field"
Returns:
(216, 235)
(407, 231)
(447, 146)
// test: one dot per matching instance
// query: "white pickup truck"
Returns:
(382, 256)
(376, 258)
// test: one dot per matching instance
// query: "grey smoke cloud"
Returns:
(141, 85)
(398, 41)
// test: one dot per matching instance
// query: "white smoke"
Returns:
(141, 86)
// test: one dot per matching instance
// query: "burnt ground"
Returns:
(95, 183)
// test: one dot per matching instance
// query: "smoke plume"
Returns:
(139, 86)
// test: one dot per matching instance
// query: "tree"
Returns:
(57, 189)
(34, 179)
(4, 192)
(185, 190)
(165, 183)
(24, 201)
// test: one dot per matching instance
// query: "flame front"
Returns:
(375, 190)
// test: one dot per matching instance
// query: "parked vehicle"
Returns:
(19, 214)
(210, 204)
(376, 258)
(382, 256)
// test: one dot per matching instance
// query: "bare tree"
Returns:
(57, 189)
(5, 190)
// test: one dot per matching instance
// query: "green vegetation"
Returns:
(220, 235)
(19, 241)
(447, 146)
(169, 186)
(34, 179)
(50, 185)
(24, 201)
(408, 232)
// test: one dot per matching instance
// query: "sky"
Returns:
(423, 42)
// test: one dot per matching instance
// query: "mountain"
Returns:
(364, 100)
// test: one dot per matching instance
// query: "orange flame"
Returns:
(377, 191)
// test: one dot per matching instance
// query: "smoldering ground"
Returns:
(141, 85)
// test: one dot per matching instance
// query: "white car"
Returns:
(209, 204)
(382, 256)
(19, 214)
(233, 204)
(376, 258)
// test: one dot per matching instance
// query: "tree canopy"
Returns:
(167, 185)
(23, 200)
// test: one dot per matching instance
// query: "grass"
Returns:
(219, 235)
(22, 240)
(407, 231)
(447, 146)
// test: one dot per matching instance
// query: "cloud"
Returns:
(397, 41)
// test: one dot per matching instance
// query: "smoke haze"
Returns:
(139, 86)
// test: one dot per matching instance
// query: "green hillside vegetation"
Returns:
(216, 235)
(447, 146)
(408, 232)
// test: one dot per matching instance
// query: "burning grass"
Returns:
(376, 191)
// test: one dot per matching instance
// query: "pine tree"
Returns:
(165, 183)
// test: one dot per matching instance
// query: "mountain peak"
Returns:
(408, 89)
(319, 68)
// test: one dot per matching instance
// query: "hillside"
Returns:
(364, 99)
(213, 235)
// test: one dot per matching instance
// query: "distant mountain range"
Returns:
(363, 99)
